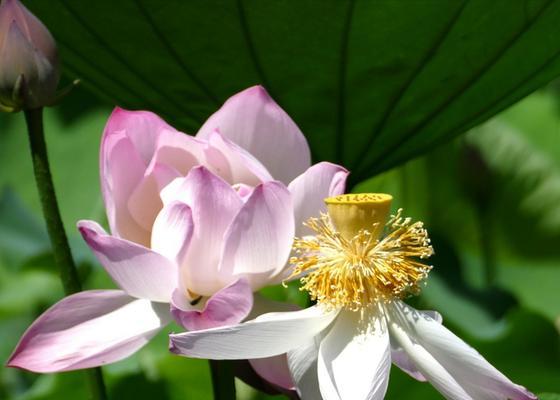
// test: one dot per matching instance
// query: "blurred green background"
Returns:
(384, 88)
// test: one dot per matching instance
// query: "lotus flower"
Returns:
(198, 224)
(342, 348)
(29, 70)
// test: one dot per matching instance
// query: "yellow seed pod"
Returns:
(351, 213)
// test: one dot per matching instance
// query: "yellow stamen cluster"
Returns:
(349, 266)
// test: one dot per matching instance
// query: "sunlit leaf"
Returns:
(527, 168)
(371, 83)
(549, 396)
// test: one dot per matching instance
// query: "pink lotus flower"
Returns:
(198, 224)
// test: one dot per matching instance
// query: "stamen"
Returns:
(356, 269)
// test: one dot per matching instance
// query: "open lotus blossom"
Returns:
(342, 348)
(198, 224)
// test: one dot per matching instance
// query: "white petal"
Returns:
(468, 368)
(401, 359)
(268, 335)
(428, 366)
(354, 358)
(302, 362)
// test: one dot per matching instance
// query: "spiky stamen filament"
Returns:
(354, 272)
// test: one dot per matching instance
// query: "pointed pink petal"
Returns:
(32, 28)
(88, 329)
(259, 240)
(228, 306)
(172, 231)
(179, 151)
(243, 166)
(26, 60)
(214, 204)
(139, 154)
(266, 336)
(244, 191)
(255, 122)
(122, 170)
(139, 271)
(462, 364)
(143, 128)
(310, 189)
(346, 345)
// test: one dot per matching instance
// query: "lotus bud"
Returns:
(29, 68)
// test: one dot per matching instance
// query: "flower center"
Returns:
(346, 264)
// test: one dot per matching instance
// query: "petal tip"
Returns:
(85, 230)
(171, 345)
(257, 90)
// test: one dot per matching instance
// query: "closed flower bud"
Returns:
(29, 69)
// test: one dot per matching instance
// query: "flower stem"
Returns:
(59, 241)
(223, 379)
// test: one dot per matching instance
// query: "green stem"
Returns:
(223, 379)
(96, 384)
(59, 241)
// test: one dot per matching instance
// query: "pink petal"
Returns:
(172, 231)
(243, 167)
(33, 30)
(179, 151)
(259, 240)
(88, 329)
(228, 306)
(139, 271)
(310, 189)
(144, 203)
(143, 128)
(275, 370)
(149, 155)
(255, 122)
(214, 204)
(244, 191)
(122, 170)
